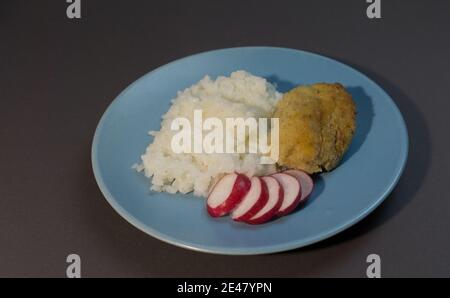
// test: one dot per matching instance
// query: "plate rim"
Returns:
(266, 249)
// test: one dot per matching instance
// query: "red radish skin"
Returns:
(306, 183)
(254, 201)
(227, 194)
(292, 193)
(273, 203)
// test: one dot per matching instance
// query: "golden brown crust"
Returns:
(317, 123)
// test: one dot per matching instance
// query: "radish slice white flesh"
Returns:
(227, 194)
(273, 203)
(254, 201)
(306, 183)
(292, 193)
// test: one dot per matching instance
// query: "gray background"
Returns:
(57, 76)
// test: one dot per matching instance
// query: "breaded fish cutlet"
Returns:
(317, 123)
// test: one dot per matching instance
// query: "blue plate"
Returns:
(367, 174)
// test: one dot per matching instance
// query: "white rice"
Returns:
(240, 95)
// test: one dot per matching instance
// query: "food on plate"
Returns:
(227, 194)
(275, 192)
(306, 183)
(292, 193)
(255, 199)
(267, 198)
(316, 126)
(317, 123)
(240, 95)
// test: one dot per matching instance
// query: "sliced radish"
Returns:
(292, 193)
(254, 201)
(306, 183)
(273, 203)
(227, 194)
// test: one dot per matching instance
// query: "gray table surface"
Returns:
(58, 75)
